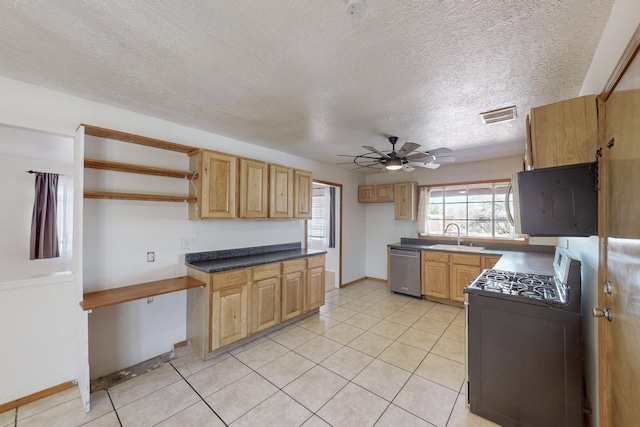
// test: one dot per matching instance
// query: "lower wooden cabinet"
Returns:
(238, 303)
(435, 274)
(464, 269)
(315, 287)
(293, 288)
(229, 308)
(446, 274)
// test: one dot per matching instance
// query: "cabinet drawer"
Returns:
(265, 271)
(435, 256)
(466, 259)
(316, 261)
(293, 266)
(229, 278)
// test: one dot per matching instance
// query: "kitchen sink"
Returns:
(457, 248)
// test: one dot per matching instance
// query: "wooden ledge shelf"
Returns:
(146, 170)
(114, 296)
(88, 194)
(137, 139)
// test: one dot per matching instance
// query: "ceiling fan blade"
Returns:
(445, 159)
(408, 168)
(421, 157)
(375, 150)
(440, 151)
(426, 165)
(407, 148)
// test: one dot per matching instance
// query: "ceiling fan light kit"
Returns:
(393, 164)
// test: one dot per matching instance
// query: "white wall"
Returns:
(118, 235)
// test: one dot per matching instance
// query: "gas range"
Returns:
(562, 290)
(514, 285)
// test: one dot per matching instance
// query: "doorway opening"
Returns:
(324, 230)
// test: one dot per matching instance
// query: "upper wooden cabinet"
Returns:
(280, 192)
(216, 185)
(375, 193)
(405, 199)
(302, 194)
(254, 180)
(563, 133)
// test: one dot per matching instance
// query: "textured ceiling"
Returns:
(300, 76)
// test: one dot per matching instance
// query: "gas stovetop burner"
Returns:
(518, 285)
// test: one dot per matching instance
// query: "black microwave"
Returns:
(557, 201)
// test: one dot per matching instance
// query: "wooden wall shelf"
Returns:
(136, 139)
(114, 296)
(146, 170)
(88, 194)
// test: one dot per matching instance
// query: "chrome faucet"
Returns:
(457, 226)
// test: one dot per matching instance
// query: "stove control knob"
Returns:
(605, 312)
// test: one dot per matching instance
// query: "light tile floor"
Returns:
(369, 358)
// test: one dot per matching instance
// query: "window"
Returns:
(321, 229)
(478, 209)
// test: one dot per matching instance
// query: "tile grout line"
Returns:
(198, 394)
(114, 407)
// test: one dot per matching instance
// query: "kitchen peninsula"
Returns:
(250, 291)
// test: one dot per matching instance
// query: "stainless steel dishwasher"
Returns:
(405, 271)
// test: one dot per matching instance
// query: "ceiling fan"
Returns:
(401, 159)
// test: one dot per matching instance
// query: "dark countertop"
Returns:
(520, 258)
(232, 259)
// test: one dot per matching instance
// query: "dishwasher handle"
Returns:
(404, 253)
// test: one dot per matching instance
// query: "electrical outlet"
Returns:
(185, 243)
(151, 256)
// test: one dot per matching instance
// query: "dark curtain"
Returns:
(44, 230)
(332, 217)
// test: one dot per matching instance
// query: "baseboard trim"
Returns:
(36, 396)
(375, 279)
(179, 344)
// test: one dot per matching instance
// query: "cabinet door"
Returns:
(218, 185)
(302, 193)
(315, 288)
(384, 193)
(229, 309)
(293, 287)
(280, 192)
(435, 279)
(405, 200)
(253, 189)
(366, 193)
(265, 304)
(565, 132)
(461, 277)
(489, 261)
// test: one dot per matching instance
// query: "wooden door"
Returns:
(293, 285)
(265, 304)
(218, 182)
(228, 316)
(619, 339)
(315, 288)
(302, 194)
(490, 261)
(280, 192)
(253, 189)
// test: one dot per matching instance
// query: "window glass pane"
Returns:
(455, 195)
(482, 211)
(435, 211)
(435, 196)
(480, 194)
(453, 211)
(504, 229)
(480, 228)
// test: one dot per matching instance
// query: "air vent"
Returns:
(501, 115)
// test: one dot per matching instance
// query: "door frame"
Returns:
(629, 54)
(332, 184)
